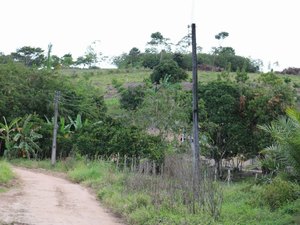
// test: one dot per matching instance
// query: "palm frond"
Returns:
(293, 114)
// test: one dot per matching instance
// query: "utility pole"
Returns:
(195, 143)
(56, 100)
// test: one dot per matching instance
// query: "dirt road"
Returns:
(42, 199)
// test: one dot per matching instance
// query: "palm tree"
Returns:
(284, 153)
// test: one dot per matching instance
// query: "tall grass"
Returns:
(6, 174)
(242, 201)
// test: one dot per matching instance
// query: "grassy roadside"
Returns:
(242, 203)
(6, 175)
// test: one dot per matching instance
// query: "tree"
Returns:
(183, 46)
(49, 56)
(30, 56)
(285, 150)
(134, 54)
(159, 44)
(184, 61)
(67, 60)
(91, 56)
(222, 35)
(168, 69)
(166, 110)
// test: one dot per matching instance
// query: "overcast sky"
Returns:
(261, 29)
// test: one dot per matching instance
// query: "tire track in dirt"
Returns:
(43, 199)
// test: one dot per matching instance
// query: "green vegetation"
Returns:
(243, 202)
(6, 175)
(138, 118)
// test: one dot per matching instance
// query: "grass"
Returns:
(102, 80)
(242, 201)
(6, 175)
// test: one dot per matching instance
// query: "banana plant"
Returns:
(77, 123)
(25, 139)
(64, 129)
(7, 132)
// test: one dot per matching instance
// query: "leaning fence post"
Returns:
(154, 168)
(125, 162)
(131, 163)
(228, 177)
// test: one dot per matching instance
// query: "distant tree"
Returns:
(183, 46)
(91, 56)
(150, 60)
(4, 58)
(30, 56)
(67, 60)
(159, 44)
(222, 35)
(55, 61)
(168, 69)
(49, 56)
(134, 54)
(184, 61)
(226, 51)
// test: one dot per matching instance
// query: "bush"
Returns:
(132, 97)
(280, 192)
(168, 68)
(112, 137)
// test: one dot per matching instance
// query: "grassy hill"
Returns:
(104, 80)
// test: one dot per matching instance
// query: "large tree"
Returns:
(30, 56)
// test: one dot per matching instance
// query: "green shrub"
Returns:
(279, 192)
(132, 97)
(168, 68)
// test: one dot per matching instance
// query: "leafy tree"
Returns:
(134, 54)
(30, 56)
(67, 60)
(91, 56)
(183, 46)
(170, 69)
(222, 35)
(150, 60)
(55, 61)
(110, 136)
(184, 61)
(233, 113)
(159, 44)
(166, 110)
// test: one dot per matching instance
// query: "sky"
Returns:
(260, 29)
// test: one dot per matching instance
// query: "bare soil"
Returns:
(42, 199)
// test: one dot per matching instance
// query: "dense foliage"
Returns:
(168, 69)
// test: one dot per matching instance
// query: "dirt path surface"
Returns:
(46, 200)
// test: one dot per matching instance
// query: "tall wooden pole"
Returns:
(195, 143)
(53, 154)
